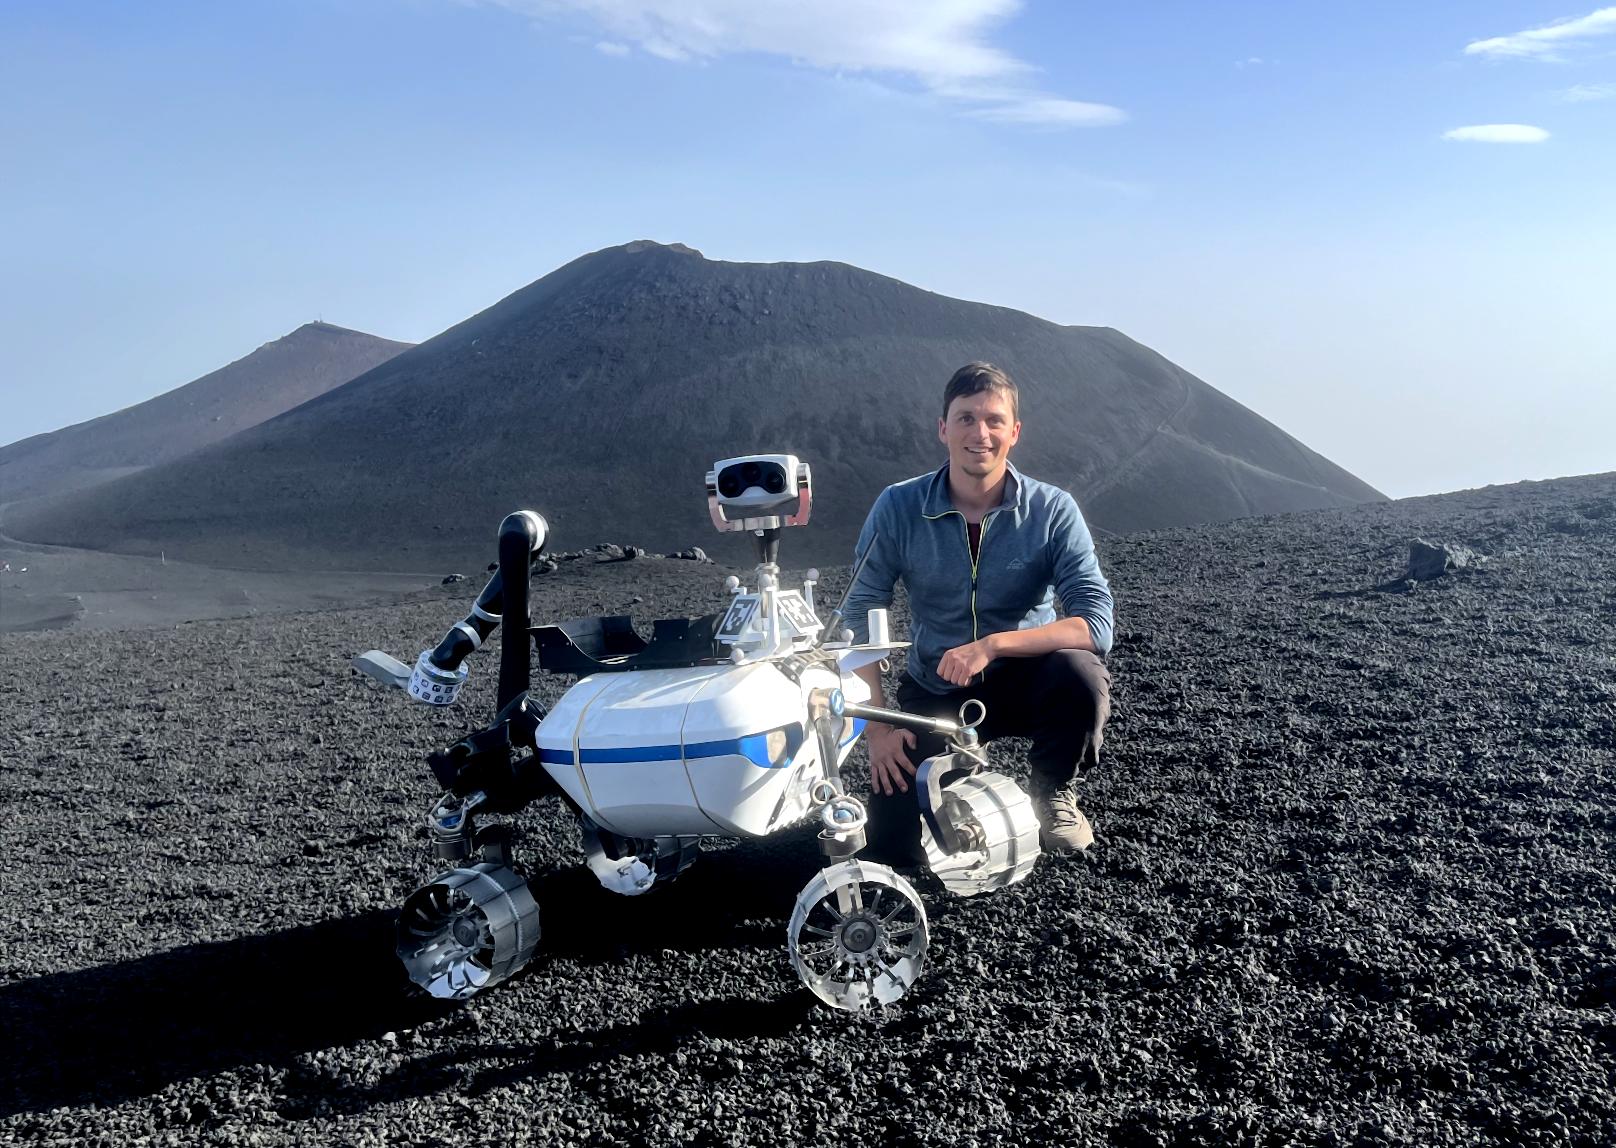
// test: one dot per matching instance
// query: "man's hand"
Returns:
(888, 761)
(963, 663)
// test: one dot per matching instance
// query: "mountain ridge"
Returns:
(270, 379)
(601, 391)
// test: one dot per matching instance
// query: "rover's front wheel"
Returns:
(858, 935)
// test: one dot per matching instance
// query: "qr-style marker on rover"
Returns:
(733, 725)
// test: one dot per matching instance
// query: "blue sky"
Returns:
(1329, 212)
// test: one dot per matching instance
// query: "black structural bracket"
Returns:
(520, 536)
(501, 760)
(767, 543)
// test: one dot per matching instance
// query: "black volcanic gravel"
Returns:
(1354, 883)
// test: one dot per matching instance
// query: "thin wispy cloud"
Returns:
(1498, 133)
(612, 48)
(1248, 62)
(944, 46)
(1049, 112)
(1550, 41)
(1586, 93)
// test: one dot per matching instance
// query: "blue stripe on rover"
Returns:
(754, 747)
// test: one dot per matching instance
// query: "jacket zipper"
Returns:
(965, 526)
(981, 539)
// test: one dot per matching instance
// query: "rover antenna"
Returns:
(835, 623)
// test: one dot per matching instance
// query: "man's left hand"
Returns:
(963, 663)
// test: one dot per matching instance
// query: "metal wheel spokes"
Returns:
(631, 866)
(999, 818)
(858, 935)
(468, 929)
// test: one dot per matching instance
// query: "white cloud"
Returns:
(1248, 62)
(1545, 43)
(1584, 93)
(1050, 111)
(942, 45)
(611, 48)
(1498, 133)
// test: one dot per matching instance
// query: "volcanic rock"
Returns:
(1427, 561)
(180, 971)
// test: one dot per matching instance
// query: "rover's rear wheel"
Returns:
(467, 930)
(858, 935)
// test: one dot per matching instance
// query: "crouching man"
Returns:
(983, 551)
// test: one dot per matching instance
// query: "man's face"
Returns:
(979, 432)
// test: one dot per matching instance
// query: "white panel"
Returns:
(740, 795)
(637, 717)
(557, 734)
(678, 737)
(852, 658)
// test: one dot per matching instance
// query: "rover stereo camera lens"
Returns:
(769, 477)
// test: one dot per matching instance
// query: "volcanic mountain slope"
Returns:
(600, 394)
(1353, 884)
(275, 378)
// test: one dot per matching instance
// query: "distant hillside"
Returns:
(600, 394)
(274, 378)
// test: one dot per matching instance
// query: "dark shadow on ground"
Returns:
(477, 1068)
(106, 1035)
(734, 896)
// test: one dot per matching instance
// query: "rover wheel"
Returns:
(467, 930)
(997, 817)
(858, 935)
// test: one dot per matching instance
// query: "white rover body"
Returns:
(734, 725)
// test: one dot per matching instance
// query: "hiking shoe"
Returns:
(1065, 829)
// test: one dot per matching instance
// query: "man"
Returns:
(984, 551)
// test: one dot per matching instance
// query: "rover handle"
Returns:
(839, 705)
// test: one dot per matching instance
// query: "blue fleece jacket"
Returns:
(1034, 546)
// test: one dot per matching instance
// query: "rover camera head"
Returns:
(759, 492)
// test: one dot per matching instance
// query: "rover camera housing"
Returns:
(759, 492)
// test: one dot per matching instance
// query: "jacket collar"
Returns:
(938, 501)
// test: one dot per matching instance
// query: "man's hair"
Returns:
(974, 378)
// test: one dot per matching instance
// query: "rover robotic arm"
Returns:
(439, 672)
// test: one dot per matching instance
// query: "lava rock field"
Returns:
(1353, 884)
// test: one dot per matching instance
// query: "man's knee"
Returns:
(1078, 677)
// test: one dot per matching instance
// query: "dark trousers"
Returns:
(1060, 700)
